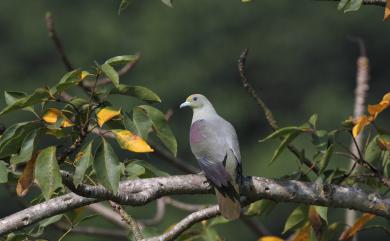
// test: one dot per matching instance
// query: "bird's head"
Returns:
(196, 101)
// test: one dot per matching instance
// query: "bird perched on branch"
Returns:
(214, 143)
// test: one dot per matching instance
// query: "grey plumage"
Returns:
(214, 143)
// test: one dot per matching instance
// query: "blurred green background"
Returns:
(300, 61)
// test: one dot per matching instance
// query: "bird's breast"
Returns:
(196, 132)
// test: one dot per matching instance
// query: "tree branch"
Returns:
(141, 191)
(267, 112)
(56, 41)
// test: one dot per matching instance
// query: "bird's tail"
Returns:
(229, 206)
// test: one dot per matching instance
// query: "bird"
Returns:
(214, 143)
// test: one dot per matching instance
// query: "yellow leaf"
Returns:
(387, 11)
(383, 144)
(374, 110)
(303, 233)
(360, 123)
(270, 238)
(131, 142)
(27, 178)
(84, 74)
(51, 117)
(356, 227)
(386, 97)
(106, 114)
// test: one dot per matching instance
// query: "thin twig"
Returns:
(133, 225)
(381, 3)
(267, 112)
(57, 41)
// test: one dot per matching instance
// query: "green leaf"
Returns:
(135, 170)
(211, 235)
(297, 217)
(3, 172)
(261, 207)
(139, 92)
(284, 132)
(70, 79)
(123, 5)
(12, 96)
(342, 4)
(26, 150)
(286, 140)
(83, 161)
(313, 121)
(124, 59)
(142, 123)
(111, 73)
(323, 212)
(107, 167)
(161, 127)
(151, 171)
(46, 222)
(320, 139)
(129, 124)
(353, 5)
(218, 220)
(326, 158)
(373, 151)
(38, 96)
(168, 3)
(47, 172)
(12, 138)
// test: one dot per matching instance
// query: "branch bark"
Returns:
(141, 191)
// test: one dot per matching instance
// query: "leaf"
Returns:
(131, 142)
(135, 170)
(55, 117)
(12, 96)
(161, 127)
(27, 177)
(286, 140)
(373, 151)
(111, 73)
(123, 5)
(168, 3)
(83, 161)
(27, 149)
(3, 172)
(12, 138)
(142, 123)
(342, 4)
(326, 158)
(296, 218)
(48, 221)
(322, 211)
(218, 220)
(151, 171)
(106, 114)
(70, 79)
(386, 15)
(303, 234)
(356, 227)
(270, 238)
(107, 167)
(260, 207)
(284, 132)
(313, 121)
(360, 123)
(123, 59)
(47, 172)
(129, 124)
(139, 92)
(38, 96)
(353, 5)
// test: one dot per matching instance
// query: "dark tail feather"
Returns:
(230, 207)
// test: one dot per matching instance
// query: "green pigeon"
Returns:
(214, 143)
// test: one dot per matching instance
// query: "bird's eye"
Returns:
(195, 98)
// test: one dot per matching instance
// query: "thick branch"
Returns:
(141, 191)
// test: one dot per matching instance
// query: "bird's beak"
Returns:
(187, 103)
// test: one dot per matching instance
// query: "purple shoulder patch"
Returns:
(196, 131)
